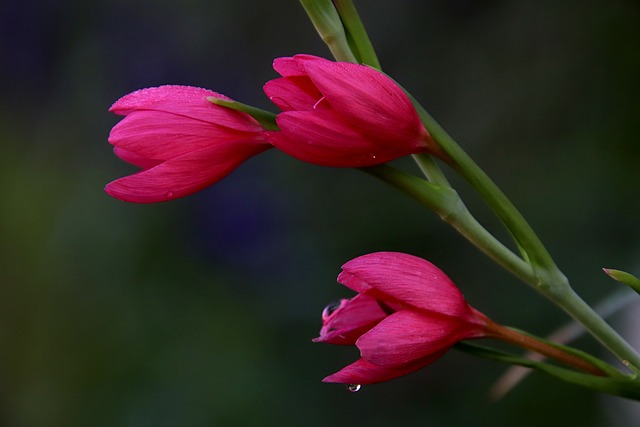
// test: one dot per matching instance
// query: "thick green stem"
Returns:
(445, 201)
(548, 279)
(538, 268)
(355, 29)
(531, 246)
(327, 22)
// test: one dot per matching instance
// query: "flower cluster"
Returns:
(407, 313)
(334, 114)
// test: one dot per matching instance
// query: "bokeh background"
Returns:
(200, 312)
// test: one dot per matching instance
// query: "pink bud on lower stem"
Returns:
(407, 314)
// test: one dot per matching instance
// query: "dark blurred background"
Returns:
(200, 312)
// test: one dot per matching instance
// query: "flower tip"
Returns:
(107, 189)
(116, 190)
(112, 190)
(123, 189)
(331, 379)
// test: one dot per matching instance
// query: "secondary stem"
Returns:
(575, 306)
(541, 271)
(445, 201)
(525, 341)
(547, 279)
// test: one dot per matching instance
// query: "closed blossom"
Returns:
(406, 315)
(181, 141)
(342, 114)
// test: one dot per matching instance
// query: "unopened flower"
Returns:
(406, 315)
(182, 142)
(342, 114)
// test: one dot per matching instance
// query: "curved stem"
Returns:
(538, 268)
(447, 204)
(528, 342)
(618, 386)
(355, 29)
(547, 279)
(531, 246)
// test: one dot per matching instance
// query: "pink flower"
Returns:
(342, 114)
(182, 142)
(406, 315)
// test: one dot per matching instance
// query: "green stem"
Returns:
(618, 386)
(548, 279)
(355, 29)
(445, 201)
(447, 204)
(531, 246)
(430, 169)
(575, 306)
(266, 118)
(327, 22)
(541, 271)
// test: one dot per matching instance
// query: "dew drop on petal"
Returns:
(354, 387)
(168, 194)
(331, 308)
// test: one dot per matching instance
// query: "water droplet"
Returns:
(354, 387)
(168, 194)
(330, 308)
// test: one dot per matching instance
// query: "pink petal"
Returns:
(134, 159)
(353, 282)
(406, 279)
(369, 100)
(292, 93)
(406, 336)
(288, 66)
(161, 135)
(183, 175)
(322, 128)
(322, 138)
(292, 66)
(346, 323)
(363, 372)
(186, 101)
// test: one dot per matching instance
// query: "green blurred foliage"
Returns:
(200, 312)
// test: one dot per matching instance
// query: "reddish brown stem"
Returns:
(525, 341)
